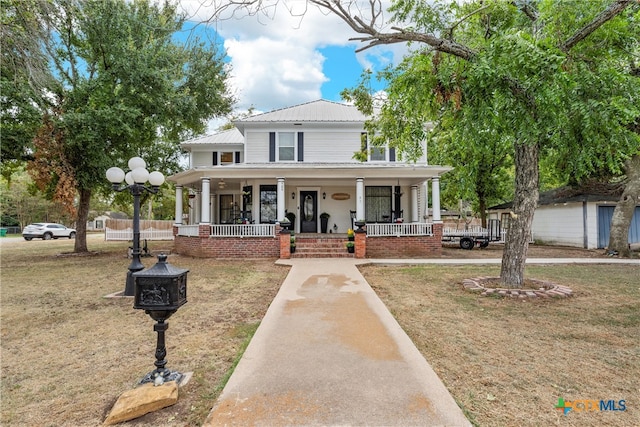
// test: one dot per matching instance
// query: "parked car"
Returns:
(47, 231)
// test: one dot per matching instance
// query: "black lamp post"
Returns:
(135, 180)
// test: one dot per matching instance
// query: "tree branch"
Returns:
(609, 13)
(375, 37)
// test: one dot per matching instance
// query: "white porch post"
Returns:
(414, 203)
(205, 217)
(281, 199)
(178, 213)
(359, 198)
(425, 206)
(198, 205)
(435, 203)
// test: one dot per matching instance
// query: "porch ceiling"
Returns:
(300, 173)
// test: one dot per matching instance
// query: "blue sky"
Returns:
(283, 60)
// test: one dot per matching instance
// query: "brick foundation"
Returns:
(401, 247)
(228, 247)
(405, 246)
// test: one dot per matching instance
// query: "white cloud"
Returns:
(275, 59)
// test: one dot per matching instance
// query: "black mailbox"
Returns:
(160, 291)
(162, 287)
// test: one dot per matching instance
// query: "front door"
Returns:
(308, 211)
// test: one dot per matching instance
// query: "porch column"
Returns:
(425, 205)
(359, 198)
(198, 205)
(414, 203)
(178, 219)
(435, 203)
(205, 217)
(281, 199)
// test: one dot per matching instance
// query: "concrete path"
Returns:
(328, 352)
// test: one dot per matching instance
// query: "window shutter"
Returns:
(364, 145)
(300, 146)
(272, 146)
(392, 154)
(215, 158)
(237, 157)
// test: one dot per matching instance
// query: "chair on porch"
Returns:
(353, 218)
(399, 217)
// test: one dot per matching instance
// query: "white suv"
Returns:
(47, 231)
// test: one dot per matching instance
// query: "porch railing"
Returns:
(188, 230)
(404, 229)
(243, 230)
(231, 230)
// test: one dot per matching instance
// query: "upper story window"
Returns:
(374, 153)
(378, 154)
(226, 157)
(286, 146)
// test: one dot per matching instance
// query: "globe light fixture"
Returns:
(136, 183)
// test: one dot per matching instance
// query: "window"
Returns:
(226, 157)
(268, 204)
(228, 209)
(377, 204)
(378, 154)
(286, 146)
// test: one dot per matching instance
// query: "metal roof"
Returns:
(231, 136)
(311, 112)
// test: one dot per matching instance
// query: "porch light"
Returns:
(324, 195)
(135, 180)
(293, 195)
(221, 184)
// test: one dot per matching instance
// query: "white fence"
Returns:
(231, 230)
(147, 234)
(122, 229)
(403, 229)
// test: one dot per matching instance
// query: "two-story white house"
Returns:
(300, 160)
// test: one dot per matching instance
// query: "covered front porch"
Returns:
(246, 207)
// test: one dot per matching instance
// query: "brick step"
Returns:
(343, 254)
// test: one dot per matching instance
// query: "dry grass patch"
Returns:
(506, 361)
(68, 352)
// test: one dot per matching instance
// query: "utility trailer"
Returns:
(473, 236)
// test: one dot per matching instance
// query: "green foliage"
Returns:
(519, 87)
(122, 87)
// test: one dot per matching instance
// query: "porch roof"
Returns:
(408, 174)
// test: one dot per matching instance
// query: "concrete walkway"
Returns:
(328, 352)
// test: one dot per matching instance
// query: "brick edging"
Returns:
(546, 289)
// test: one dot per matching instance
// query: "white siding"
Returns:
(559, 225)
(201, 158)
(257, 146)
(336, 147)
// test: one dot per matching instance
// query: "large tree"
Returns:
(122, 86)
(523, 63)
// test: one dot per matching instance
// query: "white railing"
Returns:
(188, 230)
(243, 230)
(231, 230)
(146, 234)
(403, 229)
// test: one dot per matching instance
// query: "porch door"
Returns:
(308, 211)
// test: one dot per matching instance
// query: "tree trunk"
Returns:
(81, 221)
(524, 206)
(623, 213)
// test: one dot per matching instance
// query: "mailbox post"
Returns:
(160, 291)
